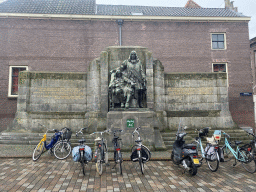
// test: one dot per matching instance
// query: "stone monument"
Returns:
(122, 89)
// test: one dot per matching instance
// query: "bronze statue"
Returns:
(128, 82)
(133, 70)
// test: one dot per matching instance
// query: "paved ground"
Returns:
(49, 174)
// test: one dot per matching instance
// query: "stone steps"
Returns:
(236, 134)
(9, 138)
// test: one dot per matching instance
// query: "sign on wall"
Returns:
(130, 123)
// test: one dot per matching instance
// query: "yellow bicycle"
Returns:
(62, 145)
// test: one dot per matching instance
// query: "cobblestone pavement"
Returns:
(49, 174)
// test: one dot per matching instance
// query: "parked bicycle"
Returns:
(101, 152)
(242, 154)
(210, 153)
(117, 151)
(56, 140)
(62, 148)
(82, 153)
(252, 144)
(139, 151)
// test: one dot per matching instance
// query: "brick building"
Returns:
(66, 35)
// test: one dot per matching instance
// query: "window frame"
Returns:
(221, 63)
(10, 79)
(225, 43)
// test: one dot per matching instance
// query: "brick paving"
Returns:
(49, 174)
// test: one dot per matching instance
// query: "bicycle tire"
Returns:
(214, 164)
(227, 154)
(119, 161)
(82, 164)
(99, 161)
(62, 150)
(38, 151)
(105, 154)
(141, 164)
(249, 164)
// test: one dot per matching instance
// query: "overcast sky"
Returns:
(247, 7)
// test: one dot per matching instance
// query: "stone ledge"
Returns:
(194, 113)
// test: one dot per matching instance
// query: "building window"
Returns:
(14, 79)
(219, 68)
(218, 41)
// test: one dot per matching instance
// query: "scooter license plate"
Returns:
(196, 161)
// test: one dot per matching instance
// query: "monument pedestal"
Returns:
(128, 121)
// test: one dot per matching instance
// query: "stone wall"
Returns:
(70, 46)
(55, 100)
(197, 100)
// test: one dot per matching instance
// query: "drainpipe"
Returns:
(120, 23)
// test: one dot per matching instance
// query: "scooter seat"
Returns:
(188, 146)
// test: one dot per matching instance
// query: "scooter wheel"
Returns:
(172, 156)
(193, 169)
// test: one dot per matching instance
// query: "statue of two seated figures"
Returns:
(128, 83)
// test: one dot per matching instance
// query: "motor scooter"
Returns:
(185, 154)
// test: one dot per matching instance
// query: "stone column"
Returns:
(21, 121)
(150, 81)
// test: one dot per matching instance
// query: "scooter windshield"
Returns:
(181, 128)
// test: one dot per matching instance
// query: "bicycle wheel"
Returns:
(99, 161)
(105, 154)
(82, 164)
(227, 154)
(38, 151)
(119, 161)
(141, 163)
(214, 164)
(62, 150)
(249, 162)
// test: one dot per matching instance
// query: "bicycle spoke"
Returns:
(99, 162)
(248, 160)
(38, 151)
(213, 163)
(62, 150)
(227, 154)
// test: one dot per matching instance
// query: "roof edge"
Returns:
(114, 17)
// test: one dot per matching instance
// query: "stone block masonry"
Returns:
(53, 99)
(197, 100)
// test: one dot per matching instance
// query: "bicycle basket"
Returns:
(67, 134)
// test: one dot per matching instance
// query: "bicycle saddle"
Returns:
(137, 141)
(238, 142)
(116, 138)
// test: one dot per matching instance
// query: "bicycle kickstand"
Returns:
(114, 166)
(234, 163)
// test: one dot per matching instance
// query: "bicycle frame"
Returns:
(200, 146)
(234, 152)
(101, 145)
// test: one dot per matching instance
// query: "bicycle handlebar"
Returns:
(225, 134)
(136, 131)
(101, 132)
(80, 131)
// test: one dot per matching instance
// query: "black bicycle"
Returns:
(101, 152)
(117, 151)
(82, 153)
(140, 152)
